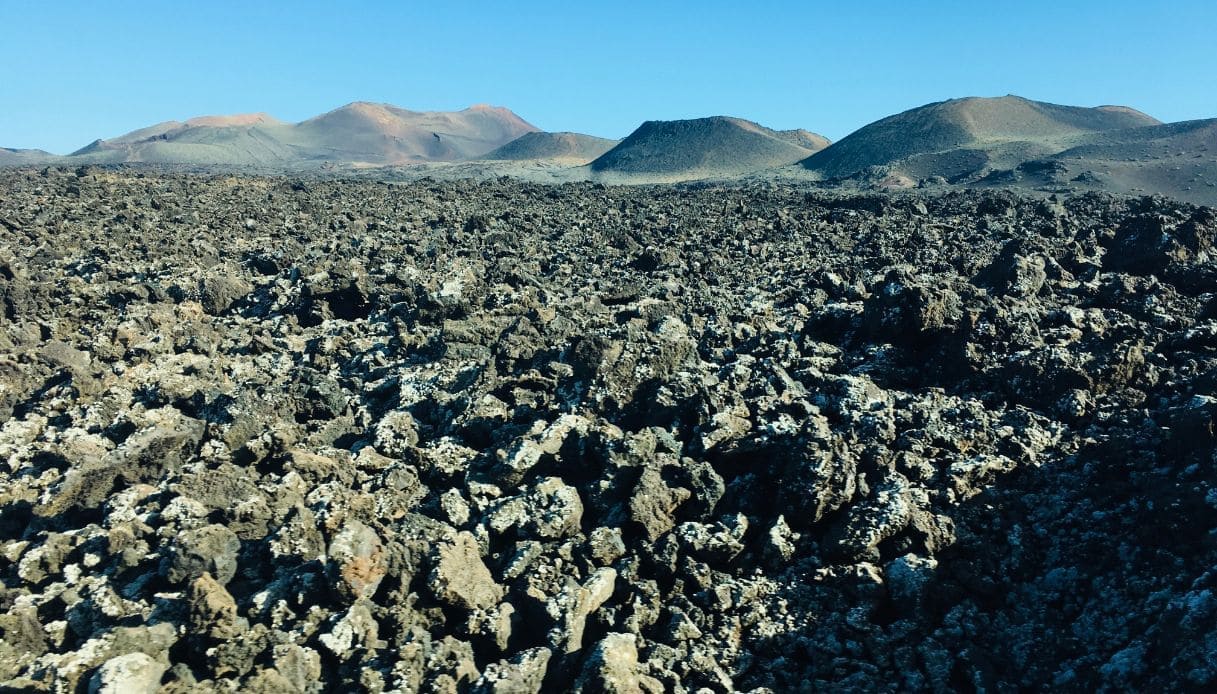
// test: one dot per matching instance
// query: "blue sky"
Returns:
(74, 71)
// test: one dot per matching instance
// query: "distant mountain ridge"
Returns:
(360, 133)
(1004, 141)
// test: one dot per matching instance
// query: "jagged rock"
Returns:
(1147, 243)
(716, 543)
(460, 578)
(779, 546)
(143, 457)
(213, 611)
(724, 427)
(866, 524)
(606, 545)
(682, 628)
(134, 673)
(396, 433)
(356, 628)
(1015, 273)
(211, 549)
(451, 664)
(340, 295)
(300, 667)
(907, 578)
(653, 503)
(494, 625)
(160, 446)
(358, 561)
(221, 287)
(515, 463)
(267, 682)
(522, 674)
(612, 667)
(59, 354)
(550, 510)
(46, 560)
(21, 631)
(571, 608)
(822, 478)
(236, 657)
(704, 483)
(14, 287)
(903, 309)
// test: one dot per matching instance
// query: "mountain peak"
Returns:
(358, 133)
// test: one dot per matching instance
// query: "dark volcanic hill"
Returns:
(360, 133)
(705, 147)
(563, 146)
(1176, 159)
(962, 136)
(19, 157)
(1196, 139)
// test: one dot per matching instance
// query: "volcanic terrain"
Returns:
(953, 139)
(284, 434)
(703, 148)
(358, 134)
(571, 148)
(1009, 143)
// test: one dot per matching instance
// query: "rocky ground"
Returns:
(272, 435)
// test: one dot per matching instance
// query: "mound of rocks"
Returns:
(277, 435)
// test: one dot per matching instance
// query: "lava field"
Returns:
(276, 434)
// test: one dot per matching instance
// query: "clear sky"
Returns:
(71, 72)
